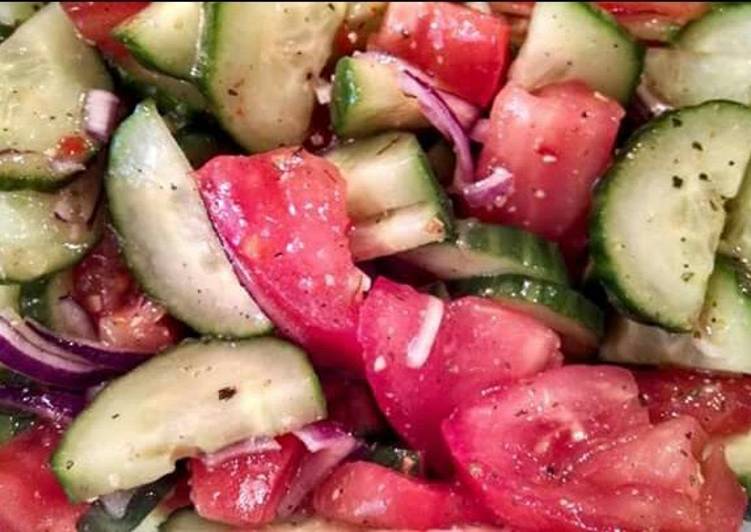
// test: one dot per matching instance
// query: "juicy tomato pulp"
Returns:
(32, 499)
(96, 20)
(721, 403)
(555, 143)
(282, 217)
(423, 357)
(465, 50)
(123, 316)
(573, 449)
(370, 495)
(245, 490)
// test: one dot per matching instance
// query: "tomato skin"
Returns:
(478, 345)
(465, 50)
(123, 316)
(32, 498)
(96, 20)
(721, 403)
(245, 490)
(371, 495)
(282, 217)
(573, 449)
(555, 143)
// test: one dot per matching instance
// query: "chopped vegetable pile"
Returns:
(338, 266)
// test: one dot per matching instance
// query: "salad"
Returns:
(337, 266)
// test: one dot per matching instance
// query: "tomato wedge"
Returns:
(122, 315)
(245, 490)
(370, 495)
(32, 498)
(555, 143)
(721, 403)
(465, 50)
(573, 450)
(423, 357)
(96, 20)
(283, 220)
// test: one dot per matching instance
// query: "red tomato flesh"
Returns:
(477, 345)
(282, 217)
(555, 143)
(123, 316)
(245, 490)
(573, 449)
(32, 498)
(721, 403)
(96, 20)
(465, 50)
(370, 495)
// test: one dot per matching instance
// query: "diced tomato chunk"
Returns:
(572, 449)
(555, 143)
(721, 403)
(32, 499)
(96, 20)
(282, 218)
(245, 490)
(423, 357)
(370, 495)
(123, 316)
(466, 51)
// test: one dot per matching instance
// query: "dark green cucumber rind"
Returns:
(199, 145)
(560, 299)
(639, 50)
(445, 209)
(528, 248)
(38, 179)
(203, 71)
(345, 94)
(603, 262)
(142, 55)
(34, 302)
(5, 32)
(143, 501)
(405, 461)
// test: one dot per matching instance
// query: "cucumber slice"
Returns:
(399, 230)
(189, 521)
(721, 340)
(736, 237)
(366, 98)
(257, 62)
(576, 40)
(198, 397)
(738, 455)
(40, 301)
(167, 237)
(485, 249)
(575, 318)
(682, 78)
(14, 13)
(35, 241)
(658, 214)
(142, 502)
(45, 71)
(725, 30)
(172, 95)
(384, 173)
(164, 36)
(9, 296)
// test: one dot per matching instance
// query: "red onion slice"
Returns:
(465, 112)
(260, 444)
(444, 120)
(330, 445)
(492, 191)
(101, 112)
(55, 406)
(96, 353)
(26, 353)
(480, 131)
